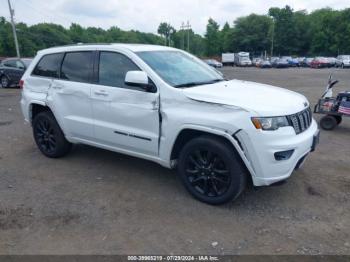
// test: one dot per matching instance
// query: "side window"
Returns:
(10, 63)
(77, 66)
(113, 68)
(48, 66)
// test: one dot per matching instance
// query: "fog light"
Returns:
(284, 155)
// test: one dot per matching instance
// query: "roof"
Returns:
(131, 47)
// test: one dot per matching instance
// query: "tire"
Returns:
(49, 136)
(328, 122)
(5, 82)
(211, 170)
(339, 119)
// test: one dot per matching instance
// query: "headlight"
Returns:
(270, 123)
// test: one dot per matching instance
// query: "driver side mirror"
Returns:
(140, 79)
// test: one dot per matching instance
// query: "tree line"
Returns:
(282, 31)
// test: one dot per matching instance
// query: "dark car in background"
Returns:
(11, 71)
(264, 64)
(213, 63)
(280, 63)
(293, 62)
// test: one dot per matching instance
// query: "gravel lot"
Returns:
(99, 202)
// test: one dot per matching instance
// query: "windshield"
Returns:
(179, 69)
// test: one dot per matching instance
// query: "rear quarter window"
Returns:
(48, 66)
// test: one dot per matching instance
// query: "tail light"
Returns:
(21, 83)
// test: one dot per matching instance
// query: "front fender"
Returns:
(231, 138)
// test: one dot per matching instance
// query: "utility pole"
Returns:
(273, 36)
(171, 32)
(188, 28)
(188, 35)
(12, 12)
(182, 27)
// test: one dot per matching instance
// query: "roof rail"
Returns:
(81, 44)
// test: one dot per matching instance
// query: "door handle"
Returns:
(57, 87)
(101, 93)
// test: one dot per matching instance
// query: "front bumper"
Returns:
(261, 146)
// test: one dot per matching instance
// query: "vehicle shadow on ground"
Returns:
(132, 169)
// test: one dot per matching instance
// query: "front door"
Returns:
(125, 117)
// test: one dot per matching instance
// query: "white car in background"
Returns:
(343, 61)
(167, 106)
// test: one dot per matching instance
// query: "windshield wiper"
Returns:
(191, 84)
(217, 80)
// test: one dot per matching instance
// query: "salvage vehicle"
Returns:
(331, 61)
(264, 64)
(228, 59)
(319, 62)
(165, 105)
(293, 62)
(343, 61)
(280, 63)
(306, 62)
(242, 59)
(256, 61)
(213, 63)
(334, 108)
(11, 71)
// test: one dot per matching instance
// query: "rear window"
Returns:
(48, 66)
(77, 66)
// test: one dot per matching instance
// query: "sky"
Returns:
(146, 15)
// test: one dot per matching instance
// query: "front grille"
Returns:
(301, 121)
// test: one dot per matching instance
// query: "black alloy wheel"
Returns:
(45, 135)
(207, 173)
(211, 170)
(49, 136)
(5, 83)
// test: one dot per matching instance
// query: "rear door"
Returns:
(11, 70)
(69, 96)
(18, 73)
(125, 117)
(44, 72)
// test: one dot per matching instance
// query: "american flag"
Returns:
(344, 107)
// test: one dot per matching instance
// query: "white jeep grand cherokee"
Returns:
(167, 106)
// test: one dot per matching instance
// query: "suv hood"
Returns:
(261, 99)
